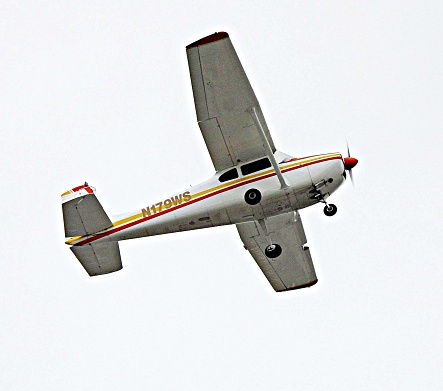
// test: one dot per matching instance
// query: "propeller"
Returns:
(350, 163)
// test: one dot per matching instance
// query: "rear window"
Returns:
(228, 175)
(258, 165)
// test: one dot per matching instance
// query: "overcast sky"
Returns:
(102, 93)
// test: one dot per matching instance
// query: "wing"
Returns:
(293, 269)
(223, 96)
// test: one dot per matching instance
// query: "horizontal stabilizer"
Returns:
(82, 212)
(99, 258)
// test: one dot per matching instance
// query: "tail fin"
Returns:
(83, 215)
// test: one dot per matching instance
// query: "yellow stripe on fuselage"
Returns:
(127, 219)
(284, 167)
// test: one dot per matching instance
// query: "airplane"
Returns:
(256, 187)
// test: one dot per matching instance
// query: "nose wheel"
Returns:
(330, 210)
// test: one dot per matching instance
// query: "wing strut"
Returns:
(267, 146)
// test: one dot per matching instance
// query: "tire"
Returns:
(273, 251)
(330, 210)
(252, 197)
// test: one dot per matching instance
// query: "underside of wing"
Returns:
(99, 258)
(293, 268)
(223, 100)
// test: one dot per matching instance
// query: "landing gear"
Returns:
(252, 197)
(273, 250)
(330, 210)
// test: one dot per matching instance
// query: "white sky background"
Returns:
(102, 93)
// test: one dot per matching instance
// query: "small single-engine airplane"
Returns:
(255, 187)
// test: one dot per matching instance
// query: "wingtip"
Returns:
(307, 285)
(209, 39)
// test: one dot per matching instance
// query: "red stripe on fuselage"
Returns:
(143, 219)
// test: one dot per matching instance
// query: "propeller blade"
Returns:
(350, 162)
(352, 178)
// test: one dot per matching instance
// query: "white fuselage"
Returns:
(213, 203)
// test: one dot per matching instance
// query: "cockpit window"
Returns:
(258, 165)
(228, 175)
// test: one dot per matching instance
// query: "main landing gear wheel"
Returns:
(330, 210)
(273, 250)
(252, 197)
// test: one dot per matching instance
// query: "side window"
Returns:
(228, 175)
(258, 165)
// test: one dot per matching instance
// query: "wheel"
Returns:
(252, 197)
(330, 210)
(273, 250)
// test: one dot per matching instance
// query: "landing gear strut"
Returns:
(329, 209)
